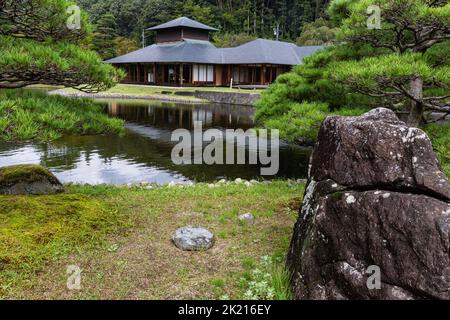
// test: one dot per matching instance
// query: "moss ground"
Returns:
(120, 238)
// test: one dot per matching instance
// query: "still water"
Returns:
(144, 152)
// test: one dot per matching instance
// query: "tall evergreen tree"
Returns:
(104, 35)
(253, 17)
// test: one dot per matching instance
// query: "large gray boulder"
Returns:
(193, 238)
(28, 180)
(375, 197)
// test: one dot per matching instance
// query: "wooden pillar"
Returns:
(270, 75)
(138, 78)
(164, 72)
(181, 74)
(238, 80)
(263, 74)
(145, 74)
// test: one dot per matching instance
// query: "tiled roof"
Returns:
(183, 22)
(259, 51)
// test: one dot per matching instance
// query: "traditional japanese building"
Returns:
(183, 56)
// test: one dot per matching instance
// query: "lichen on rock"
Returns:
(376, 197)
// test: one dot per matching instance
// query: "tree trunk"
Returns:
(416, 111)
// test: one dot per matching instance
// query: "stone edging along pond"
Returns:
(240, 98)
(236, 98)
(119, 96)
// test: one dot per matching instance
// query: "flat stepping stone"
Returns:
(193, 238)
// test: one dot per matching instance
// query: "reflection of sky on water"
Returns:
(93, 169)
(114, 171)
(27, 154)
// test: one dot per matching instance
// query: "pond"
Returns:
(144, 152)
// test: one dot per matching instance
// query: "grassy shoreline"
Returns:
(135, 89)
(119, 96)
(33, 115)
(120, 238)
(131, 91)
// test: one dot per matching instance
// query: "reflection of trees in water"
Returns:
(60, 155)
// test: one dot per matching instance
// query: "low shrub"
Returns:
(268, 281)
(440, 137)
(31, 115)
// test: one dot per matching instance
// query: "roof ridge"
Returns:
(182, 22)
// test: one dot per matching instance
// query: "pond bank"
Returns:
(125, 96)
(172, 95)
(27, 115)
(236, 98)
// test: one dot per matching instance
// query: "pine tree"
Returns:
(409, 66)
(104, 35)
(38, 47)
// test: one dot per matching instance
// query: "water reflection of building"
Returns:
(113, 109)
(183, 116)
(206, 117)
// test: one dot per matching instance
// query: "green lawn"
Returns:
(157, 90)
(120, 238)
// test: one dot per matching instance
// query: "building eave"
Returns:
(191, 51)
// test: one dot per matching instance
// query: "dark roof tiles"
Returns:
(193, 51)
(183, 22)
(259, 51)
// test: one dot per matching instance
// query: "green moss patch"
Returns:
(24, 173)
(34, 230)
(120, 238)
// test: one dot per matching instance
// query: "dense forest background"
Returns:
(238, 20)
